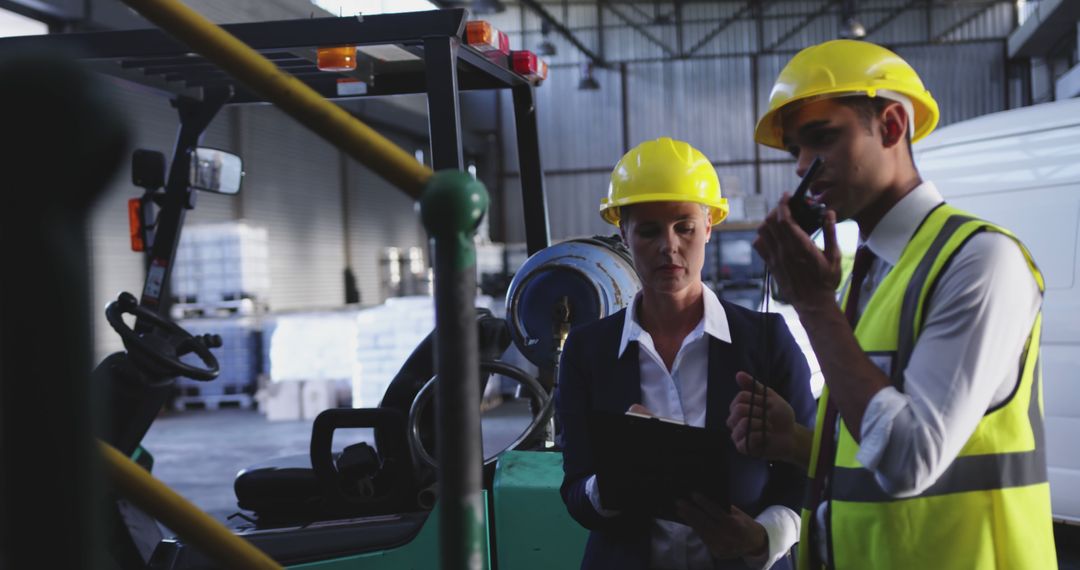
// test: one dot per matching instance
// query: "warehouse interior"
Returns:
(318, 274)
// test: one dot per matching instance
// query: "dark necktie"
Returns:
(819, 490)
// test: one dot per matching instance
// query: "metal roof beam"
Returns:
(640, 29)
(565, 32)
(727, 22)
(803, 24)
(979, 11)
(894, 14)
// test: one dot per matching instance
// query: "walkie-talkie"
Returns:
(808, 213)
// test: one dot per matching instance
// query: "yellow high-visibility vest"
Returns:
(991, 506)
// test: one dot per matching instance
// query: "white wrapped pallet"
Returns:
(388, 334)
(222, 262)
(312, 346)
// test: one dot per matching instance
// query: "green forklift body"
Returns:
(420, 553)
(532, 528)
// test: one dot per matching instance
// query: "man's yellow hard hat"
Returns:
(845, 67)
(663, 170)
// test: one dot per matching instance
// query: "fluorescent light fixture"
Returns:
(12, 24)
(388, 53)
(370, 7)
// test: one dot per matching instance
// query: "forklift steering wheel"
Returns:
(164, 344)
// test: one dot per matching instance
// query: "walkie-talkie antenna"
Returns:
(809, 218)
(764, 370)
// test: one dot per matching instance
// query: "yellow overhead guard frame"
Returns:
(336, 126)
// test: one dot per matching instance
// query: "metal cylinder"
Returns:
(592, 277)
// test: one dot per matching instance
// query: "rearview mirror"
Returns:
(216, 171)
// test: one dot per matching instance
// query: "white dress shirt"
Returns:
(967, 358)
(681, 394)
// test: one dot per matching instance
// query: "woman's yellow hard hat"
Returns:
(845, 67)
(663, 170)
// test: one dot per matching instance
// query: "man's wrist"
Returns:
(816, 304)
(761, 542)
(802, 443)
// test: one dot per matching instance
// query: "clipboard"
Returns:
(645, 464)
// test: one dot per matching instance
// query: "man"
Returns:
(675, 353)
(930, 362)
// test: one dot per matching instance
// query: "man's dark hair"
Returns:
(867, 108)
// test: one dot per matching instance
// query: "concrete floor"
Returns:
(198, 454)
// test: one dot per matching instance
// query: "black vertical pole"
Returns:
(71, 140)
(444, 108)
(451, 207)
(195, 116)
(533, 194)
(624, 105)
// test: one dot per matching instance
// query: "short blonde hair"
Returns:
(705, 210)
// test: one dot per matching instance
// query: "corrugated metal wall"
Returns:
(692, 100)
(708, 97)
(379, 216)
(293, 188)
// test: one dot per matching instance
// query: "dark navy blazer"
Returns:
(593, 377)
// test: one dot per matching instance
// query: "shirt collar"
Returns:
(714, 323)
(895, 229)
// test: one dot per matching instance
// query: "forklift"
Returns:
(364, 507)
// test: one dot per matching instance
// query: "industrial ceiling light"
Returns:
(852, 29)
(588, 82)
(546, 48)
(850, 26)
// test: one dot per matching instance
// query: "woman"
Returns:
(679, 352)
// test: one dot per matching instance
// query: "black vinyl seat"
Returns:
(283, 489)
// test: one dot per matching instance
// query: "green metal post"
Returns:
(452, 206)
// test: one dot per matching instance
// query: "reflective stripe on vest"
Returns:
(966, 473)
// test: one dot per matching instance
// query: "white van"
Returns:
(1021, 169)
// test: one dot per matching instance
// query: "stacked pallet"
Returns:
(220, 285)
(239, 358)
(220, 269)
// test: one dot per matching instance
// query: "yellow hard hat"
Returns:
(845, 67)
(663, 170)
